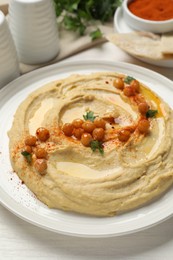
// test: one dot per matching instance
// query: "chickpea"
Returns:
(109, 119)
(100, 122)
(77, 132)
(77, 123)
(40, 165)
(135, 85)
(28, 149)
(118, 83)
(98, 134)
(129, 91)
(68, 129)
(124, 135)
(88, 126)
(139, 98)
(143, 107)
(86, 139)
(143, 126)
(42, 134)
(40, 153)
(30, 140)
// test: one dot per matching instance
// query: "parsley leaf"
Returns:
(27, 156)
(74, 24)
(151, 113)
(97, 145)
(128, 79)
(89, 116)
(96, 34)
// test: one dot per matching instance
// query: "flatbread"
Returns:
(145, 44)
(167, 43)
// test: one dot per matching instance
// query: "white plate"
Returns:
(122, 27)
(18, 199)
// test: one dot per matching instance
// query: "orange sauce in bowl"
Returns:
(155, 10)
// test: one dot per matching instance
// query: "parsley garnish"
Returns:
(128, 79)
(96, 34)
(97, 145)
(89, 116)
(77, 15)
(27, 156)
(73, 24)
(151, 113)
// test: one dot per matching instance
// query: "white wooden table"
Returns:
(20, 240)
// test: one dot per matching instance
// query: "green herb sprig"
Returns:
(89, 116)
(76, 15)
(27, 156)
(97, 145)
(128, 79)
(151, 113)
(96, 34)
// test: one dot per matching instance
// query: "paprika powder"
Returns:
(155, 10)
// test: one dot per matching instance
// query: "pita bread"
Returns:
(141, 44)
(167, 43)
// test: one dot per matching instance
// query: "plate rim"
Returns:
(80, 64)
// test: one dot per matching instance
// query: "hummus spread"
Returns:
(128, 165)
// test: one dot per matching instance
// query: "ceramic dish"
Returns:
(18, 199)
(145, 25)
(121, 26)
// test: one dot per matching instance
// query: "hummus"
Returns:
(127, 173)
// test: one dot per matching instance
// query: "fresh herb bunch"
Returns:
(77, 14)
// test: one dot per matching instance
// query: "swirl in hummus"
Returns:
(135, 164)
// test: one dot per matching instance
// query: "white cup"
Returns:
(34, 28)
(9, 65)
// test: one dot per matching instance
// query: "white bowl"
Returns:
(145, 25)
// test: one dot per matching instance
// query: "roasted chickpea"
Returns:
(40, 153)
(28, 149)
(88, 126)
(30, 140)
(118, 83)
(77, 123)
(40, 165)
(124, 135)
(143, 126)
(143, 107)
(109, 119)
(86, 139)
(100, 122)
(98, 134)
(135, 85)
(42, 134)
(77, 132)
(129, 91)
(139, 98)
(68, 129)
